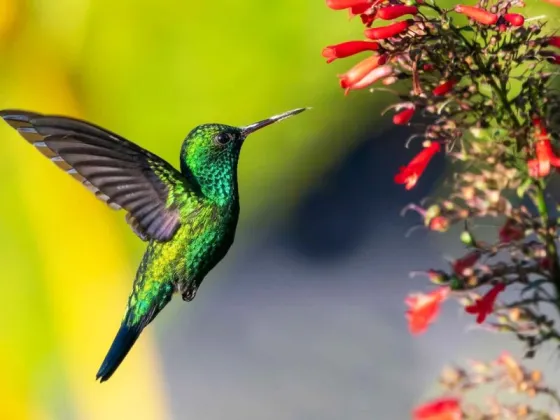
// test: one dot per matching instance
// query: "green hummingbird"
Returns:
(188, 217)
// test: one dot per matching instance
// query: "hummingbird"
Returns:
(188, 217)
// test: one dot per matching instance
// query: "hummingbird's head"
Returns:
(210, 153)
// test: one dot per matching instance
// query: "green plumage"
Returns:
(188, 218)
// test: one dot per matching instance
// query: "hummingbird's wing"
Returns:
(117, 171)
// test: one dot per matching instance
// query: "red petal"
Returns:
(424, 309)
(410, 173)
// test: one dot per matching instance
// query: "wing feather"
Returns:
(117, 171)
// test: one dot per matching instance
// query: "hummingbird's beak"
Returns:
(258, 125)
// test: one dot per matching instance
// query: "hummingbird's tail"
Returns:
(123, 342)
(138, 315)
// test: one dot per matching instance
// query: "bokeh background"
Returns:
(304, 317)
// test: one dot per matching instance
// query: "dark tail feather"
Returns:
(123, 342)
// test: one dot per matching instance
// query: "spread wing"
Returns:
(117, 171)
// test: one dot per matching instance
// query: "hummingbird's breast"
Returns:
(207, 235)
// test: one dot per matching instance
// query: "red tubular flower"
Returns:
(444, 87)
(439, 409)
(511, 231)
(360, 70)
(515, 19)
(477, 14)
(484, 306)
(540, 166)
(347, 4)
(553, 41)
(346, 49)
(403, 117)
(410, 173)
(544, 155)
(394, 12)
(373, 76)
(461, 264)
(428, 67)
(384, 32)
(424, 309)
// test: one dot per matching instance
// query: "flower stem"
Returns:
(500, 88)
(548, 236)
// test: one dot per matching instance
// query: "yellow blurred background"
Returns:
(150, 71)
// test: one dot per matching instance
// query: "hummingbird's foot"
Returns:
(189, 293)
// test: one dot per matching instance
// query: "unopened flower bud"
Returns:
(467, 238)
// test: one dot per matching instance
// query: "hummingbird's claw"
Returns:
(189, 294)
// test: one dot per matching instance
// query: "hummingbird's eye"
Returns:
(223, 138)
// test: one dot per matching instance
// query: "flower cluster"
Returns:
(460, 75)
(505, 374)
(475, 83)
(518, 258)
